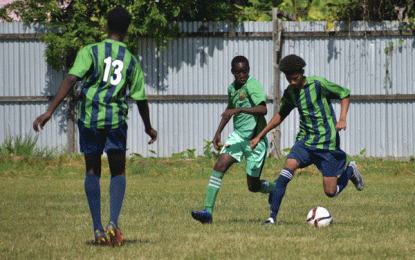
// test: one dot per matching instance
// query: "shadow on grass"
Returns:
(126, 241)
(261, 220)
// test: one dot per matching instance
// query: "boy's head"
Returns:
(292, 66)
(119, 20)
(240, 69)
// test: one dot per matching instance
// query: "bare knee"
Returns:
(224, 162)
(330, 192)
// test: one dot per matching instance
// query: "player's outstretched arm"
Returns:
(226, 116)
(67, 84)
(258, 110)
(275, 121)
(145, 115)
(341, 124)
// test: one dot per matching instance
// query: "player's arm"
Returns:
(275, 121)
(258, 110)
(341, 124)
(341, 93)
(67, 84)
(145, 115)
(226, 116)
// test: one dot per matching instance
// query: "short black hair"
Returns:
(291, 63)
(239, 59)
(118, 19)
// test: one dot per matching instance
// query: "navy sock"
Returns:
(344, 179)
(279, 191)
(117, 191)
(93, 194)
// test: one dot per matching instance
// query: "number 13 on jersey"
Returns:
(118, 67)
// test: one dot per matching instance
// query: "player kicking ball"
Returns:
(247, 106)
(110, 70)
(318, 141)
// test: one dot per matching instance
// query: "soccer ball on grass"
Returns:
(319, 217)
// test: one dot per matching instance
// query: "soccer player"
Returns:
(247, 105)
(110, 70)
(318, 141)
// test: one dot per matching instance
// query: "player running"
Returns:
(318, 141)
(247, 105)
(110, 70)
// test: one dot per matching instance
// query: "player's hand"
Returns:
(341, 125)
(153, 134)
(228, 113)
(41, 121)
(254, 142)
(216, 142)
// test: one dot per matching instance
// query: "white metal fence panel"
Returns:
(201, 66)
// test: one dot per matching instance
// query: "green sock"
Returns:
(266, 186)
(213, 189)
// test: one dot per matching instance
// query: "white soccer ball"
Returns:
(319, 217)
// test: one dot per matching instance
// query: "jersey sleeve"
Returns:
(335, 91)
(82, 64)
(287, 104)
(256, 93)
(137, 90)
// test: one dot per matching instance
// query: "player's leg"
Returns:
(299, 157)
(332, 164)
(116, 141)
(117, 184)
(91, 145)
(93, 188)
(222, 165)
(255, 163)
(278, 192)
(232, 152)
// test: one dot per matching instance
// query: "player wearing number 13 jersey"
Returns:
(108, 68)
(111, 73)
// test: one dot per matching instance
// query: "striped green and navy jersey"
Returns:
(249, 95)
(110, 71)
(317, 117)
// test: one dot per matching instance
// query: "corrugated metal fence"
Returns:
(187, 82)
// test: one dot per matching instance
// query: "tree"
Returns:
(368, 10)
(72, 24)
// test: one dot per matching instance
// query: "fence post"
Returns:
(276, 52)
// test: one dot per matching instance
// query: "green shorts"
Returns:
(238, 147)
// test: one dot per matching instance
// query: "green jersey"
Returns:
(109, 69)
(249, 95)
(317, 117)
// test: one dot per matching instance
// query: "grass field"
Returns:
(44, 213)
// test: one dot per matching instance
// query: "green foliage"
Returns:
(256, 10)
(188, 154)
(25, 146)
(209, 150)
(77, 23)
(368, 10)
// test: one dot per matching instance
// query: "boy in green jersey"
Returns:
(110, 70)
(318, 141)
(247, 106)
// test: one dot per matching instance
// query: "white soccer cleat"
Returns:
(357, 177)
(269, 222)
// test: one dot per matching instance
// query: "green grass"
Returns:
(44, 213)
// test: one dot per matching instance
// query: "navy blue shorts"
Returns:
(95, 141)
(330, 163)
